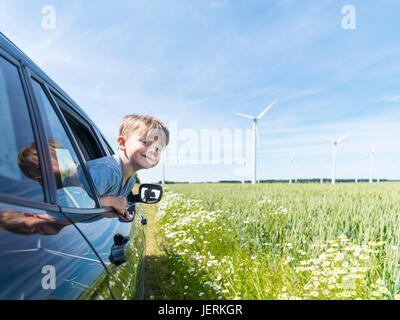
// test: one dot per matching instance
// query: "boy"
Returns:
(141, 140)
(140, 143)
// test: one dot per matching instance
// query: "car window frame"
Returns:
(50, 91)
(34, 77)
(80, 120)
(48, 196)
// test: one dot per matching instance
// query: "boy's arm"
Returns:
(119, 205)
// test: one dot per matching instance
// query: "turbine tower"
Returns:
(334, 153)
(323, 165)
(255, 130)
(292, 169)
(371, 163)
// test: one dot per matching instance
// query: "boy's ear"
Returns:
(121, 143)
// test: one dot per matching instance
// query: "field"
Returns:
(277, 241)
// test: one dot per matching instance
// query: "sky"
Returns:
(192, 64)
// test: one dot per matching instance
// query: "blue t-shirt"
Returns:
(107, 175)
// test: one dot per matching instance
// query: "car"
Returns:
(57, 241)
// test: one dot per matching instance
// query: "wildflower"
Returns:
(397, 297)
(364, 257)
(376, 293)
(314, 293)
(380, 281)
(383, 290)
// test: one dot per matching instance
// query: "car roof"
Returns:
(18, 54)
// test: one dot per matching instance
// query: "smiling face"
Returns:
(141, 151)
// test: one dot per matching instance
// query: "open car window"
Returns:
(73, 189)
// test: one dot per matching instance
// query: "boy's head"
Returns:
(142, 139)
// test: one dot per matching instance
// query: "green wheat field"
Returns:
(279, 241)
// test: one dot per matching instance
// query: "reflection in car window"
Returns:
(70, 191)
(16, 133)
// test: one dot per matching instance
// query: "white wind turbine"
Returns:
(323, 166)
(255, 130)
(371, 162)
(334, 153)
(292, 169)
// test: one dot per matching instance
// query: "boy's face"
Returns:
(143, 152)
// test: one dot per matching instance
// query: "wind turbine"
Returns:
(292, 169)
(57, 253)
(244, 166)
(323, 165)
(255, 130)
(371, 163)
(334, 153)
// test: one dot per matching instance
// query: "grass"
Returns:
(277, 241)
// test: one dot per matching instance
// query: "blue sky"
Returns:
(195, 63)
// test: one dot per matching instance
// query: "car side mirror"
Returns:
(150, 193)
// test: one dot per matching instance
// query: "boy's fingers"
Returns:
(125, 215)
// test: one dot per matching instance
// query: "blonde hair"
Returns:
(141, 125)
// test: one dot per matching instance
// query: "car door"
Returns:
(42, 254)
(125, 280)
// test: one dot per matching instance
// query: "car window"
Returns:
(20, 170)
(82, 132)
(73, 189)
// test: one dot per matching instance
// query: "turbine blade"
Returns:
(20, 251)
(245, 115)
(266, 110)
(344, 137)
(330, 139)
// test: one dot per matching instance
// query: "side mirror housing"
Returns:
(148, 193)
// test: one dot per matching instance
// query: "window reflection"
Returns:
(16, 132)
(25, 223)
(69, 191)
(64, 158)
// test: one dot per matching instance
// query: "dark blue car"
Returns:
(56, 241)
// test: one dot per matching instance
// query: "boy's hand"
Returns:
(119, 205)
